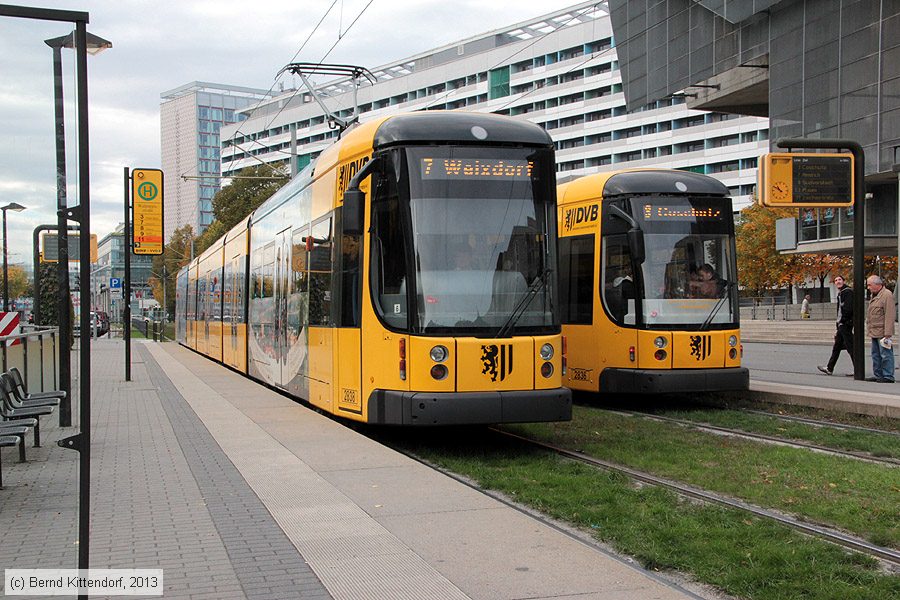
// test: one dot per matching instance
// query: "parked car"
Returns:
(104, 322)
(99, 322)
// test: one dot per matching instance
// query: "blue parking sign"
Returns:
(115, 282)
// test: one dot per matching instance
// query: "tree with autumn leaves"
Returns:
(761, 267)
(252, 187)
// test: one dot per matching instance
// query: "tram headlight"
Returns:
(439, 372)
(660, 342)
(732, 353)
(546, 352)
(547, 369)
(660, 355)
(439, 354)
(732, 340)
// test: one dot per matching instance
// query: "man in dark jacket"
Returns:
(843, 337)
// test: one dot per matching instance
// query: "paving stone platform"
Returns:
(239, 492)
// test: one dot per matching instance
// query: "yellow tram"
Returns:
(406, 277)
(648, 290)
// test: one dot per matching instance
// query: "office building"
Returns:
(815, 68)
(111, 264)
(560, 70)
(190, 119)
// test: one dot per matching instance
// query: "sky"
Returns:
(162, 44)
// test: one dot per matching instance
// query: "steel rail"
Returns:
(834, 537)
(763, 437)
(818, 423)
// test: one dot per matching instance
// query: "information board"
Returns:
(806, 179)
(147, 200)
(50, 247)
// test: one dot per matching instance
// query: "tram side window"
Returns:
(388, 262)
(576, 279)
(215, 298)
(237, 295)
(618, 280)
(201, 298)
(298, 300)
(227, 292)
(320, 266)
(350, 309)
(256, 276)
(191, 310)
(299, 260)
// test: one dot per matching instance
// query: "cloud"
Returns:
(160, 45)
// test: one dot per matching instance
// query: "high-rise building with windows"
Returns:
(560, 70)
(190, 119)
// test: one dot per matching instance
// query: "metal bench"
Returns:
(12, 410)
(22, 393)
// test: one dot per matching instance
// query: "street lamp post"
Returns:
(94, 45)
(15, 208)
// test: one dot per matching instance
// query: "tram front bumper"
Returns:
(661, 381)
(389, 407)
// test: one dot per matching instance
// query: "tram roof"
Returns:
(453, 126)
(639, 182)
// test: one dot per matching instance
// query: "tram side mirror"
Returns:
(636, 245)
(352, 214)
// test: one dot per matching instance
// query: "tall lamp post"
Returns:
(95, 45)
(15, 208)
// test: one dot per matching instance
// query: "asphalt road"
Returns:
(796, 364)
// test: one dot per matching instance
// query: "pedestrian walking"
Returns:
(804, 307)
(843, 336)
(880, 328)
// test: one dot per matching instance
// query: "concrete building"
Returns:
(111, 264)
(816, 68)
(560, 70)
(190, 119)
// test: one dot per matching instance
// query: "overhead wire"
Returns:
(286, 102)
(275, 81)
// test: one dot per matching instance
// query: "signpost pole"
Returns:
(859, 240)
(126, 291)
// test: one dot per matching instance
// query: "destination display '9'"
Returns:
(476, 168)
(681, 212)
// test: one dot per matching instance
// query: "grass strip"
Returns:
(744, 556)
(858, 497)
(876, 444)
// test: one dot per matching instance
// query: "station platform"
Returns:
(239, 492)
(787, 373)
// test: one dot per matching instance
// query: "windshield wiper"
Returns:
(539, 282)
(726, 289)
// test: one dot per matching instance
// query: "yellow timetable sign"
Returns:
(806, 180)
(147, 199)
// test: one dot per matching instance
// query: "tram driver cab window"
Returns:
(388, 256)
(618, 280)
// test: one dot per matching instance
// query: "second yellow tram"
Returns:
(648, 283)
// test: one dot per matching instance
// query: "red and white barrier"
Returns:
(9, 325)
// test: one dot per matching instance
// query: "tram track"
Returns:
(841, 539)
(819, 423)
(892, 462)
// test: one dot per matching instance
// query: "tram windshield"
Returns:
(689, 274)
(479, 226)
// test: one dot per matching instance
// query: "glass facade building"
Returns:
(191, 117)
(111, 263)
(816, 68)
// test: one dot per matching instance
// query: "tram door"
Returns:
(281, 371)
